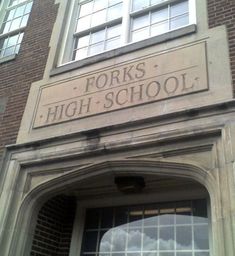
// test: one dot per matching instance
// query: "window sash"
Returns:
(15, 18)
(126, 21)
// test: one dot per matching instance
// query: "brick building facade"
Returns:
(100, 146)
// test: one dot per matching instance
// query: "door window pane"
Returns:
(183, 238)
(146, 230)
(200, 237)
(150, 239)
(166, 238)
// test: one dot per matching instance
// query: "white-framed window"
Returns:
(102, 25)
(177, 228)
(15, 14)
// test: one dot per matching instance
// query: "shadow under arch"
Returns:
(35, 198)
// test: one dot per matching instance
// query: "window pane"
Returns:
(105, 241)
(83, 41)
(114, 12)
(81, 53)
(183, 238)
(183, 213)
(6, 27)
(140, 22)
(140, 34)
(150, 218)
(98, 18)
(9, 51)
(85, 9)
(113, 31)
(100, 4)
(121, 216)
(150, 239)
(96, 48)
(12, 40)
(201, 237)
(112, 43)
(83, 23)
(179, 22)
(19, 11)
(107, 218)
(134, 240)
(166, 239)
(119, 239)
(167, 215)
(92, 218)
(139, 4)
(28, 7)
(159, 28)
(179, 8)
(15, 24)
(9, 15)
(90, 241)
(199, 211)
(159, 15)
(24, 21)
(98, 37)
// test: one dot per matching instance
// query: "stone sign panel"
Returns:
(142, 81)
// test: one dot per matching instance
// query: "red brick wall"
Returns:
(17, 75)
(222, 12)
(53, 231)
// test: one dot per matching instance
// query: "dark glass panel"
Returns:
(107, 218)
(92, 218)
(121, 216)
(200, 211)
(90, 241)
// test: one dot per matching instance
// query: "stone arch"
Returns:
(35, 198)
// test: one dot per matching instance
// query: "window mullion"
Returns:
(126, 22)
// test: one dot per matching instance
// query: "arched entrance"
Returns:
(94, 187)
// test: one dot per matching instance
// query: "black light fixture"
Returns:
(129, 184)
